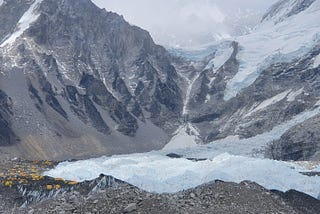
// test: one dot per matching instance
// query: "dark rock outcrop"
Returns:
(300, 143)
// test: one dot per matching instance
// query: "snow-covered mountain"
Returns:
(264, 83)
(92, 77)
(77, 81)
(251, 98)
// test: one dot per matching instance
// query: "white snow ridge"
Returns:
(28, 17)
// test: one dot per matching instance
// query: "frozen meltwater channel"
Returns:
(28, 17)
(188, 94)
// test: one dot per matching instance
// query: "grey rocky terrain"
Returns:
(106, 195)
(299, 143)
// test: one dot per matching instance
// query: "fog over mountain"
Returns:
(187, 23)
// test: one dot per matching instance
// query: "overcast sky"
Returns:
(184, 22)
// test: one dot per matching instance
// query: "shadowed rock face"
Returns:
(300, 143)
(85, 77)
(7, 137)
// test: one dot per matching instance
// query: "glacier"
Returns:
(272, 43)
(230, 159)
(155, 172)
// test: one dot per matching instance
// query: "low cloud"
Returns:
(185, 23)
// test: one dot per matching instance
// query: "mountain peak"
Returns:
(86, 75)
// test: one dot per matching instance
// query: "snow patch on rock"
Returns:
(292, 96)
(28, 18)
(316, 61)
(185, 110)
(268, 102)
(185, 137)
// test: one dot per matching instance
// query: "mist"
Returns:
(187, 23)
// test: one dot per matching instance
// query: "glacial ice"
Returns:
(156, 172)
(274, 42)
(231, 159)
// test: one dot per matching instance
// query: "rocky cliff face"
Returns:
(82, 81)
(299, 143)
